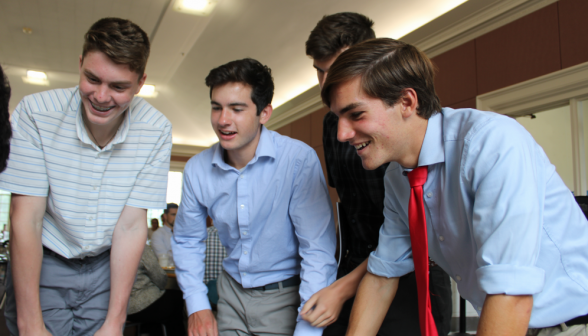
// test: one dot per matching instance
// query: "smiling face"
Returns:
(236, 123)
(380, 133)
(107, 90)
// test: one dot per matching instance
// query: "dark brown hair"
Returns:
(5, 130)
(121, 40)
(247, 71)
(337, 31)
(387, 67)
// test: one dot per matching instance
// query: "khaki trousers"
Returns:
(243, 311)
(563, 330)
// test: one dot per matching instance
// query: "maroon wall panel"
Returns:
(470, 103)
(285, 130)
(521, 50)
(456, 75)
(573, 30)
(316, 127)
(301, 129)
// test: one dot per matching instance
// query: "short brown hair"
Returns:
(337, 31)
(121, 40)
(387, 67)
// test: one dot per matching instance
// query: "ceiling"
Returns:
(185, 47)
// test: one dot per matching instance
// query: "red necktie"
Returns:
(420, 251)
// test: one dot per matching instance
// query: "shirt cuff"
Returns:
(197, 302)
(304, 328)
(389, 269)
(511, 279)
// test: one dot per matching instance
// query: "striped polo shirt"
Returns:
(51, 155)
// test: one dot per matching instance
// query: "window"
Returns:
(4, 208)
(174, 195)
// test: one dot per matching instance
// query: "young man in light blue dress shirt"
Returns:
(500, 220)
(267, 196)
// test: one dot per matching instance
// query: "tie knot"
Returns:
(417, 177)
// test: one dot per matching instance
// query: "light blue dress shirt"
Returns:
(499, 217)
(274, 218)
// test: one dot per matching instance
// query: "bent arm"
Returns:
(128, 241)
(26, 251)
(374, 296)
(323, 308)
(506, 315)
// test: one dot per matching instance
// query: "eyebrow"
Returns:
(89, 73)
(349, 108)
(231, 104)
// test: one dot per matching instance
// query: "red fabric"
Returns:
(420, 251)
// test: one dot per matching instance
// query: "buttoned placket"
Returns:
(99, 164)
(243, 210)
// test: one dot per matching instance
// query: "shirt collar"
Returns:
(121, 133)
(432, 150)
(265, 147)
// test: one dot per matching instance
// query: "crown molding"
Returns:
(538, 94)
(296, 108)
(186, 150)
(468, 21)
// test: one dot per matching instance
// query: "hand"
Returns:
(202, 323)
(323, 308)
(110, 329)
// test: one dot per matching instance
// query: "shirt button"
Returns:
(95, 187)
(91, 218)
(244, 274)
(244, 252)
(429, 194)
(441, 238)
(244, 233)
(86, 247)
(242, 206)
(458, 278)
(242, 176)
(479, 308)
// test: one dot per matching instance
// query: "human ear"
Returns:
(409, 102)
(265, 114)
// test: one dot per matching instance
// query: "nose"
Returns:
(224, 118)
(101, 94)
(345, 131)
(322, 76)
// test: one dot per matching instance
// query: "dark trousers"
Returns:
(402, 317)
(167, 310)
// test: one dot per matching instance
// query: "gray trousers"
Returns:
(243, 311)
(563, 330)
(74, 294)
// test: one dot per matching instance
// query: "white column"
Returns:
(578, 153)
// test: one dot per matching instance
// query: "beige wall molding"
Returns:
(538, 94)
(298, 107)
(186, 150)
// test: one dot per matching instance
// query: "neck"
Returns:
(101, 135)
(239, 158)
(413, 152)
(169, 226)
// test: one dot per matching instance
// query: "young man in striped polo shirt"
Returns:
(85, 163)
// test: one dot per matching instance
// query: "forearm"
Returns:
(374, 296)
(128, 241)
(349, 284)
(26, 251)
(505, 315)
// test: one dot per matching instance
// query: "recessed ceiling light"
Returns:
(36, 78)
(27, 30)
(148, 91)
(195, 7)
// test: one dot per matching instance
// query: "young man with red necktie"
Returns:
(472, 189)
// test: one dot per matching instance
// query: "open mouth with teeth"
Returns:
(361, 146)
(101, 109)
(227, 132)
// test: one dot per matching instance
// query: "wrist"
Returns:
(345, 287)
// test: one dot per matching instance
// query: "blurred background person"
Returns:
(150, 302)
(161, 239)
(215, 254)
(153, 228)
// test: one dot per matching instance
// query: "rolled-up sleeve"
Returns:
(189, 243)
(312, 216)
(393, 257)
(507, 212)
